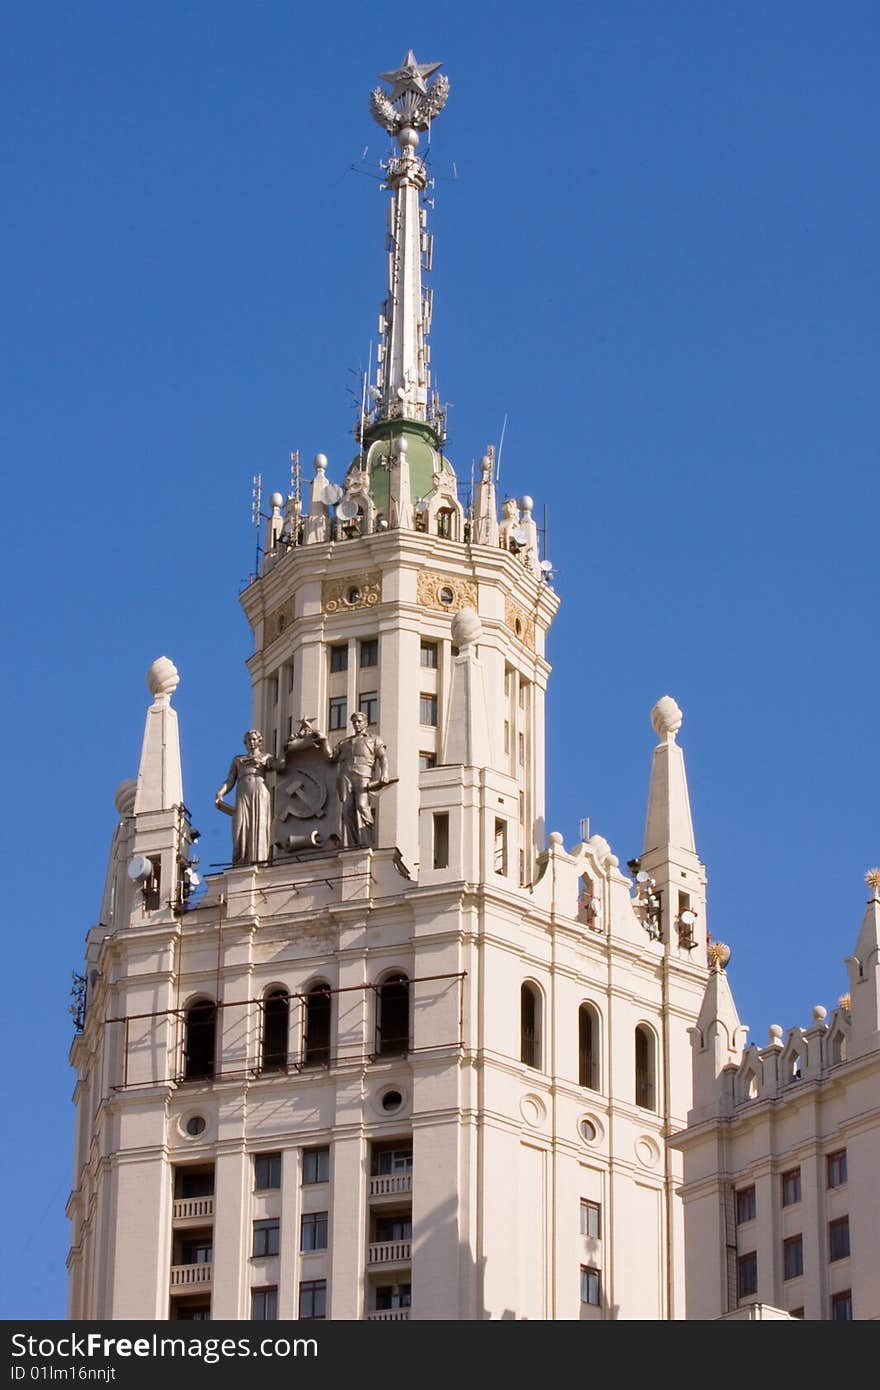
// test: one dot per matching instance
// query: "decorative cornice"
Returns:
(355, 591)
(448, 592)
(521, 624)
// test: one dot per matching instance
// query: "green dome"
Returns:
(422, 452)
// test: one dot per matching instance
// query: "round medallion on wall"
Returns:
(647, 1151)
(533, 1110)
(192, 1124)
(590, 1129)
(390, 1100)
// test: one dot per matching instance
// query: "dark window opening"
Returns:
(591, 1280)
(388, 1159)
(313, 1299)
(588, 1068)
(838, 1238)
(339, 658)
(645, 1069)
(267, 1172)
(441, 839)
(370, 652)
(530, 1026)
(264, 1304)
(276, 1009)
(793, 1257)
(267, 1237)
(836, 1168)
(313, 1231)
(747, 1275)
(200, 1041)
(316, 1165)
(193, 1182)
(317, 1040)
(392, 1016)
(396, 1226)
(791, 1187)
(393, 1296)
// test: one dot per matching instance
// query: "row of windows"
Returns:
(368, 655)
(790, 1184)
(312, 1301)
(312, 1236)
(391, 1036)
(531, 1047)
(793, 1256)
(368, 705)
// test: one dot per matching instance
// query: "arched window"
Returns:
(316, 1050)
(392, 1016)
(588, 1047)
(646, 1068)
(445, 522)
(275, 1023)
(200, 1040)
(530, 1026)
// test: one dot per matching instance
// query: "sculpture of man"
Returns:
(362, 767)
(252, 812)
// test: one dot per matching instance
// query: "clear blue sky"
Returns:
(658, 257)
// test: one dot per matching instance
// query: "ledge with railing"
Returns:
(390, 1184)
(389, 1315)
(193, 1208)
(387, 1252)
(189, 1276)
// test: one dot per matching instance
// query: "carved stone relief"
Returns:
(445, 591)
(357, 591)
(520, 623)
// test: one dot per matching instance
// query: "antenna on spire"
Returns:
(500, 447)
(256, 513)
(295, 477)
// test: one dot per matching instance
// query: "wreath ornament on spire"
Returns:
(412, 103)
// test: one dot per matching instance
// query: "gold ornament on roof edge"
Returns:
(845, 1002)
(718, 953)
(872, 878)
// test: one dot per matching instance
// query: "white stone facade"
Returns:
(781, 1155)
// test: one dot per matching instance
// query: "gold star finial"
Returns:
(872, 878)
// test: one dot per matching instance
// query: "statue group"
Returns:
(360, 762)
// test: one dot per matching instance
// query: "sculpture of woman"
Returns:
(252, 812)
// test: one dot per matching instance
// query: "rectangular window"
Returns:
(428, 655)
(747, 1275)
(368, 704)
(264, 1304)
(369, 655)
(791, 1187)
(428, 710)
(266, 1237)
(289, 669)
(523, 692)
(441, 839)
(267, 1172)
(793, 1257)
(590, 1285)
(194, 1182)
(507, 736)
(427, 760)
(313, 1231)
(591, 1223)
(316, 1165)
(393, 1296)
(339, 658)
(836, 1168)
(841, 1306)
(199, 1251)
(388, 1161)
(745, 1204)
(521, 745)
(393, 1228)
(338, 712)
(500, 851)
(508, 674)
(838, 1238)
(273, 690)
(313, 1299)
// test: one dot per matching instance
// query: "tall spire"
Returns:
(668, 821)
(160, 780)
(403, 377)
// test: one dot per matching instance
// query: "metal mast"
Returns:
(402, 375)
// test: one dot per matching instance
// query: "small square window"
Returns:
(591, 1281)
(428, 655)
(841, 1306)
(793, 1257)
(591, 1219)
(316, 1165)
(338, 712)
(339, 658)
(838, 1238)
(428, 710)
(369, 654)
(313, 1299)
(427, 760)
(747, 1275)
(791, 1187)
(313, 1231)
(836, 1168)
(267, 1172)
(266, 1237)
(368, 704)
(264, 1304)
(745, 1204)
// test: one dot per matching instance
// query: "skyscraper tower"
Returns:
(407, 1056)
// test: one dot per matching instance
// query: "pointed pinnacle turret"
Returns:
(668, 821)
(402, 383)
(160, 779)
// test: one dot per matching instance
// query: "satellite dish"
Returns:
(348, 509)
(687, 918)
(595, 906)
(546, 567)
(421, 505)
(642, 877)
(519, 537)
(401, 393)
(140, 869)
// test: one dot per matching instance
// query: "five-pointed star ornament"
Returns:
(410, 76)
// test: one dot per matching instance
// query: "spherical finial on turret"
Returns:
(124, 797)
(666, 717)
(718, 953)
(466, 627)
(319, 463)
(162, 679)
(486, 465)
(556, 838)
(774, 1034)
(398, 448)
(820, 1013)
(276, 500)
(527, 503)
